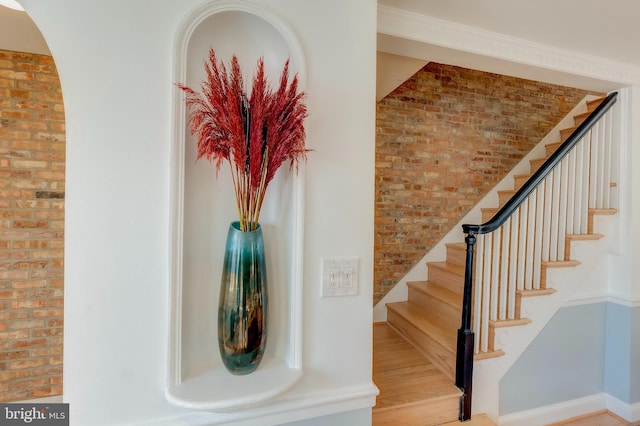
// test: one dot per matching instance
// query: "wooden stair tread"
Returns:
(605, 212)
(536, 163)
(553, 145)
(535, 292)
(489, 354)
(580, 118)
(459, 245)
(452, 267)
(593, 104)
(521, 179)
(430, 326)
(456, 253)
(442, 294)
(522, 175)
(559, 263)
(447, 274)
(408, 383)
(568, 130)
(509, 323)
(584, 237)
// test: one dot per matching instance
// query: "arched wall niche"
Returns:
(203, 205)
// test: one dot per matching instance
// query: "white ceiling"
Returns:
(604, 28)
(19, 33)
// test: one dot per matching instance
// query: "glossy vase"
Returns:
(242, 307)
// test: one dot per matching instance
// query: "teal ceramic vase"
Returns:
(242, 307)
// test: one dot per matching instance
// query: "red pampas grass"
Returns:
(255, 134)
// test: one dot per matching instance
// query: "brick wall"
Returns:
(443, 140)
(32, 172)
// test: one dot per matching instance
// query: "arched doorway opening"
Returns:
(32, 192)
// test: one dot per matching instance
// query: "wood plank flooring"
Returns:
(476, 420)
(412, 390)
(598, 418)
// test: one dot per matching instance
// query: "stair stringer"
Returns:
(399, 292)
(515, 340)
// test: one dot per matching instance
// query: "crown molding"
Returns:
(426, 30)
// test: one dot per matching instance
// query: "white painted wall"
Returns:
(565, 361)
(618, 360)
(584, 360)
(115, 59)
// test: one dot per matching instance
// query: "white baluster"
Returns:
(584, 208)
(504, 270)
(609, 141)
(571, 190)
(495, 273)
(513, 262)
(595, 196)
(486, 291)
(579, 185)
(546, 219)
(531, 228)
(537, 254)
(477, 293)
(562, 208)
(522, 244)
(555, 212)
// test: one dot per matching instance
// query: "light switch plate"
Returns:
(339, 276)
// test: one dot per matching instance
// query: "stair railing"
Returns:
(529, 230)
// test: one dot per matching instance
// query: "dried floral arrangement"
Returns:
(255, 134)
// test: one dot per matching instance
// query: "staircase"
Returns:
(415, 350)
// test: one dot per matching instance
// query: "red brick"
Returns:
(30, 343)
(13, 355)
(27, 363)
(12, 375)
(29, 384)
(14, 396)
(46, 391)
(24, 325)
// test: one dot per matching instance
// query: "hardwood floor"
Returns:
(413, 392)
(476, 420)
(411, 388)
(598, 418)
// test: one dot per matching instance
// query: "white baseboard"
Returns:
(629, 412)
(555, 412)
(576, 407)
(604, 297)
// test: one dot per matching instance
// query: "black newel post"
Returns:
(464, 355)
